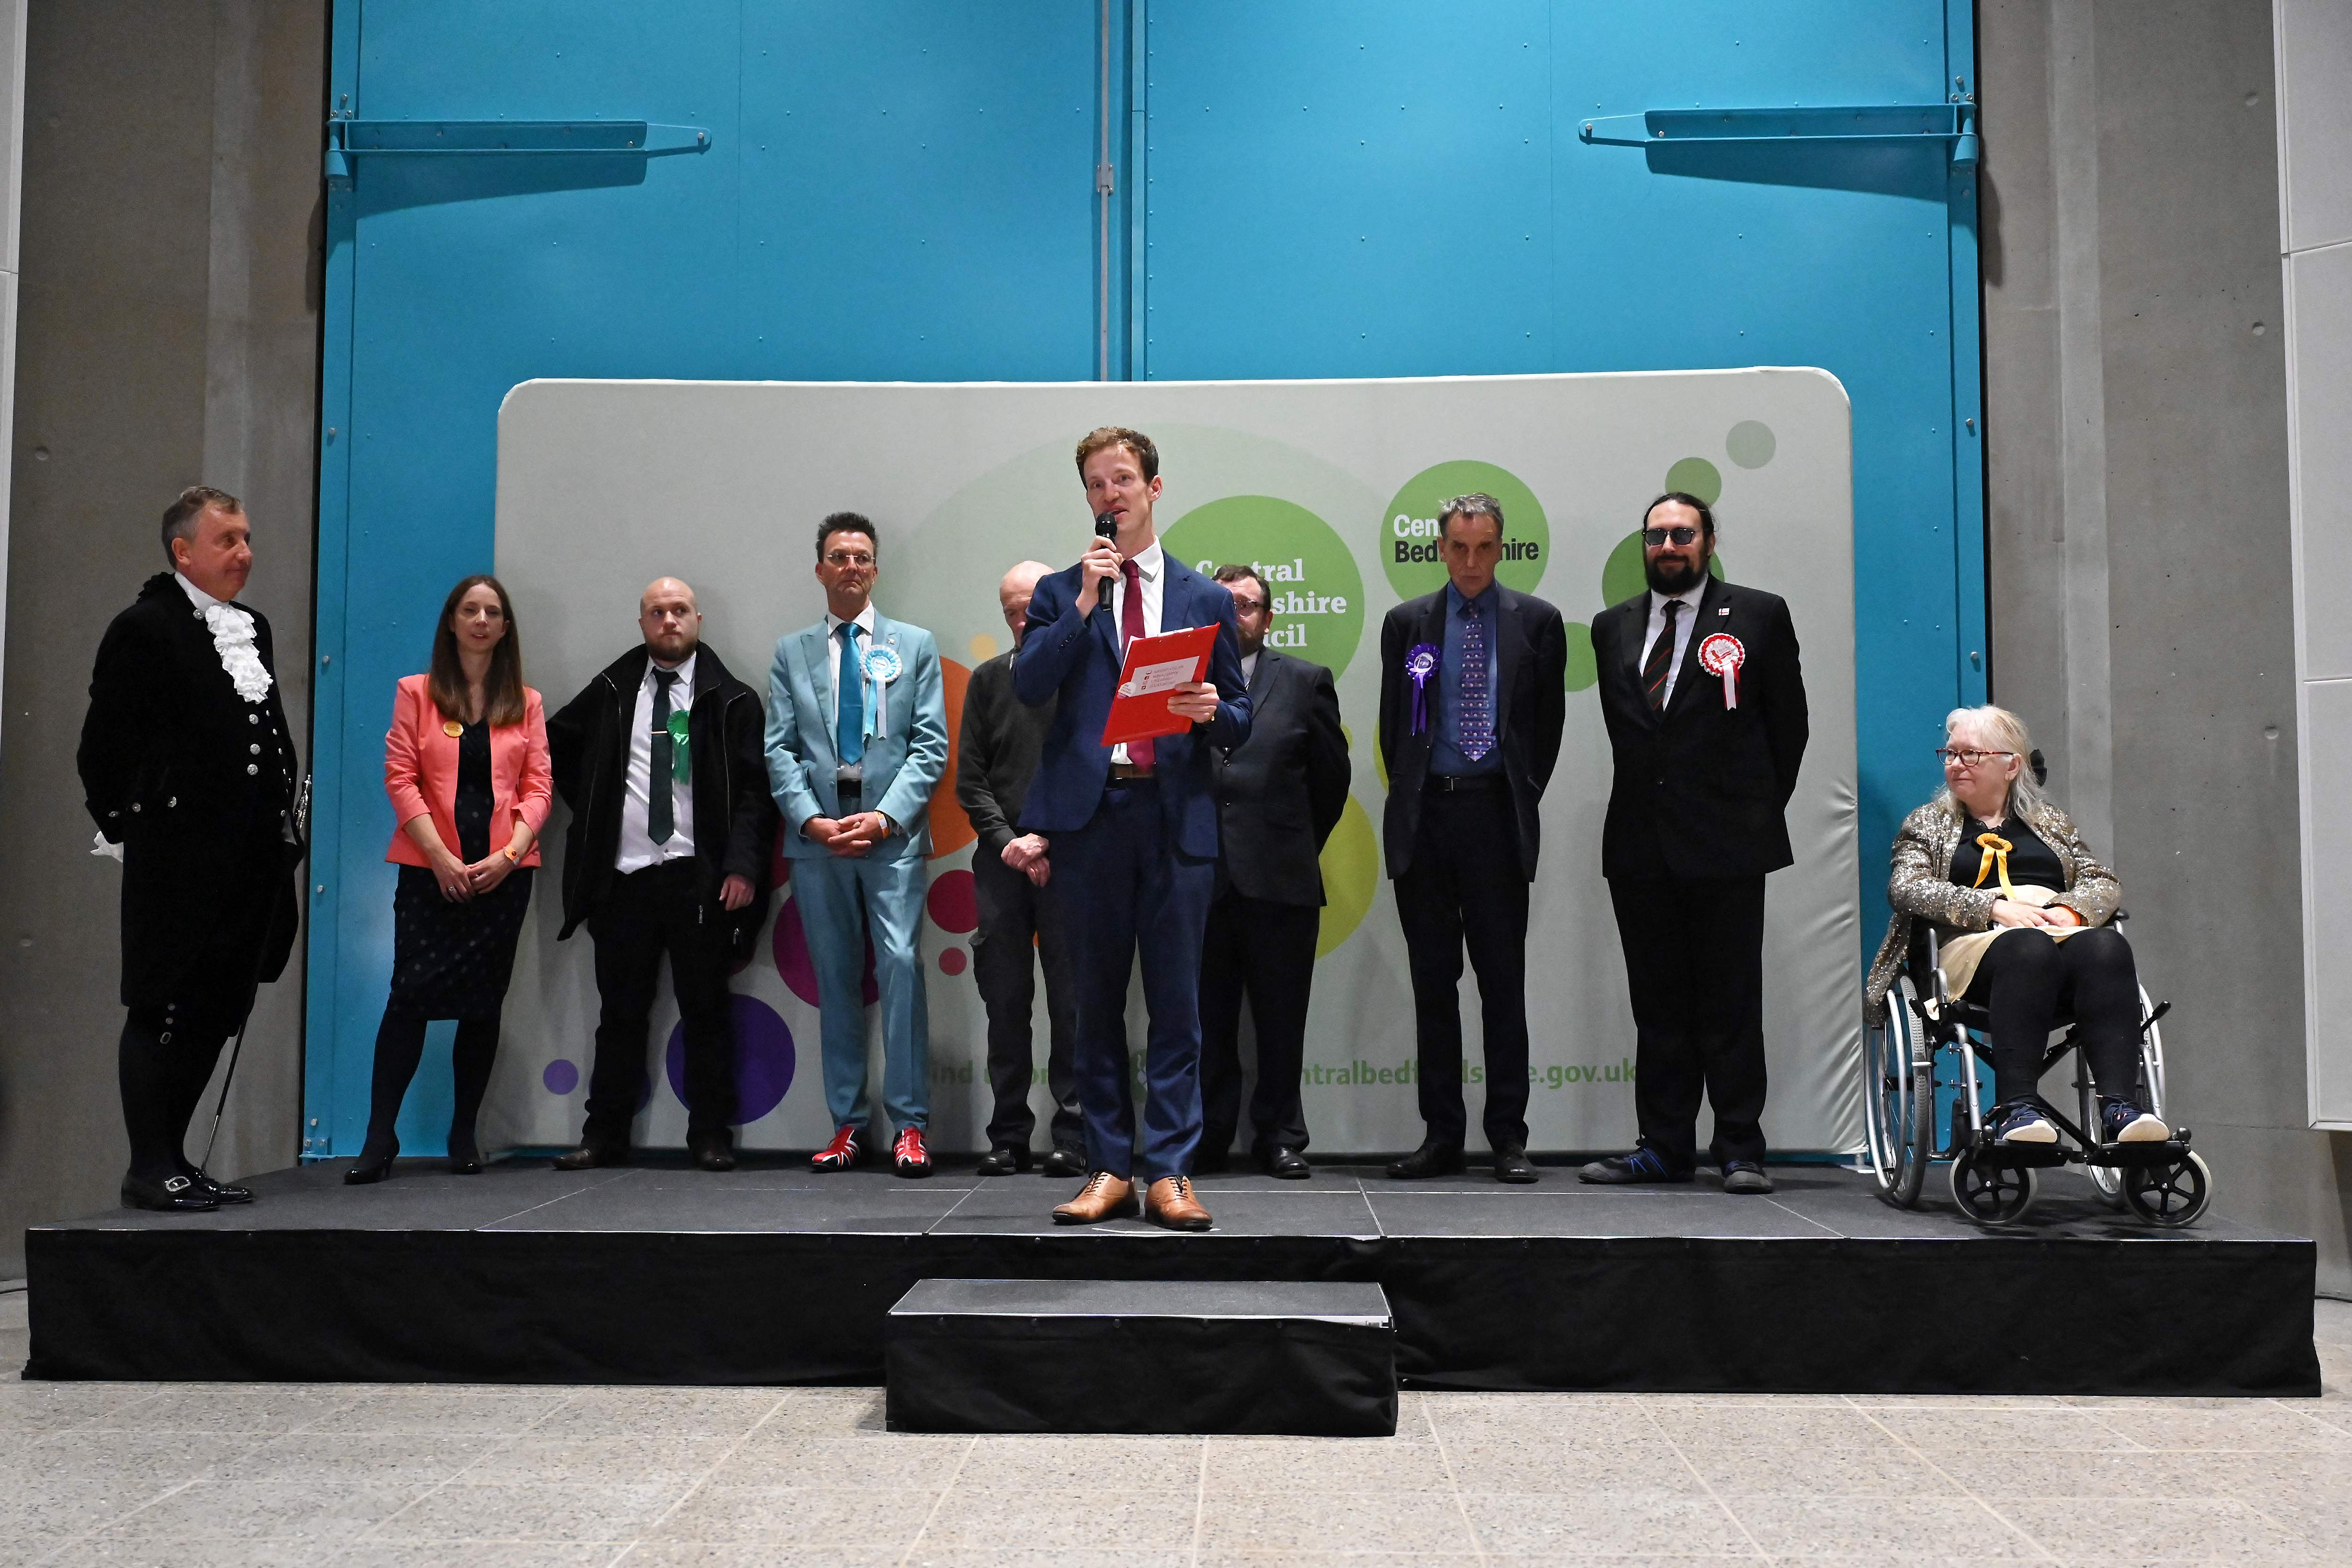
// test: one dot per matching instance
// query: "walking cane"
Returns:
(295, 831)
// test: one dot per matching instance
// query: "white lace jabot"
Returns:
(232, 630)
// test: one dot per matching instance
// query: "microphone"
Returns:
(1106, 525)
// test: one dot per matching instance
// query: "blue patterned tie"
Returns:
(1477, 709)
(849, 722)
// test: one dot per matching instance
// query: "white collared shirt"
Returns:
(1249, 668)
(1684, 621)
(196, 596)
(865, 640)
(1151, 576)
(638, 849)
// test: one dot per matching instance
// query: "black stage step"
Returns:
(771, 1273)
(1134, 1355)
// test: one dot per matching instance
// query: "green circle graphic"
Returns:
(1351, 871)
(1750, 444)
(1622, 576)
(1408, 533)
(1697, 477)
(1312, 585)
(1584, 671)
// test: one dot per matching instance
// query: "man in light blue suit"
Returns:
(857, 739)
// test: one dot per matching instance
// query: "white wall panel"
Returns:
(2319, 383)
(2327, 898)
(2315, 66)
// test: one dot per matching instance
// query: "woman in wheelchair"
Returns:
(2022, 910)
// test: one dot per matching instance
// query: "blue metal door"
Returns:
(1057, 190)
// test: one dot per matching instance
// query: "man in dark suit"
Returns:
(187, 763)
(1132, 828)
(996, 757)
(1705, 701)
(664, 859)
(1279, 795)
(1473, 692)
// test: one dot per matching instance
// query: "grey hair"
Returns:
(181, 517)
(2001, 731)
(1477, 503)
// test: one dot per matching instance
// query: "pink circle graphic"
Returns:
(954, 903)
(952, 959)
(796, 969)
(562, 1076)
(763, 1059)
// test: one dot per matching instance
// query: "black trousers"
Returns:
(2029, 984)
(1465, 888)
(648, 914)
(1265, 951)
(1695, 965)
(163, 1059)
(1020, 932)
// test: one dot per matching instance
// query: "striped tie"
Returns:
(1661, 660)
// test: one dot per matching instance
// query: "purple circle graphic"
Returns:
(562, 1076)
(763, 1059)
(797, 969)
(952, 961)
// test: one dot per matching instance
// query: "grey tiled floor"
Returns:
(211, 1475)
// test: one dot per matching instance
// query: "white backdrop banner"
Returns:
(1332, 489)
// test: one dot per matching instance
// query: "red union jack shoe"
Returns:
(909, 1154)
(840, 1155)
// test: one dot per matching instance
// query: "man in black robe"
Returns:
(188, 766)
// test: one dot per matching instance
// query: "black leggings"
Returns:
(2026, 982)
(399, 1046)
(163, 1062)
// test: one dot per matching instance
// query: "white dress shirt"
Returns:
(1249, 669)
(196, 596)
(638, 849)
(1684, 619)
(865, 640)
(1152, 574)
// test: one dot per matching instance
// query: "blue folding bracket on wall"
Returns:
(350, 139)
(1954, 123)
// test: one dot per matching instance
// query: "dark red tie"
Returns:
(1131, 626)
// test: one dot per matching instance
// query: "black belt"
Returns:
(1457, 783)
(849, 789)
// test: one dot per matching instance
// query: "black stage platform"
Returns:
(660, 1273)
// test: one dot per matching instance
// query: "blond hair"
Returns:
(1999, 730)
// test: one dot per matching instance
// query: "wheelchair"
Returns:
(1925, 1095)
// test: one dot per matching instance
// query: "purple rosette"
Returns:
(1421, 663)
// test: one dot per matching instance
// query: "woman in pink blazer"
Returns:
(466, 765)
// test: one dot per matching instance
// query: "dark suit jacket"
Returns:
(195, 782)
(734, 816)
(1280, 793)
(1076, 658)
(1530, 706)
(1699, 790)
(996, 754)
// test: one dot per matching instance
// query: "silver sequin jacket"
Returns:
(1920, 887)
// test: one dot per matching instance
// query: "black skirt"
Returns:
(449, 960)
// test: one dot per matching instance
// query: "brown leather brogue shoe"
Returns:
(1170, 1203)
(1104, 1196)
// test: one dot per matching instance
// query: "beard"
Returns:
(1673, 574)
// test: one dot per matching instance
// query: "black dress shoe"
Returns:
(465, 1158)
(1287, 1164)
(1006, 1159)
(1745, 1176)
(589, 1156)
(1064, 1163)
(219, 1191)
(713, 1151)
(1429, 1160)
(370, 1168)
(174, 1193)
(1513, 1165)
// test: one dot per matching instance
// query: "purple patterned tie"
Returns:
(1478, 709)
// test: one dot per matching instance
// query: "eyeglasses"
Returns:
(1655, 537)
(1253, 605)
(1951, 757)
(848, 558)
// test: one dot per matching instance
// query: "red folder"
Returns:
(1154, 667)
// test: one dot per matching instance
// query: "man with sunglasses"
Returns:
(1705, 700)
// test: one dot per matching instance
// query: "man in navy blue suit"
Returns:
(1132, 828)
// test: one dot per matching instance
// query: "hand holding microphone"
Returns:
(1099, 566)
